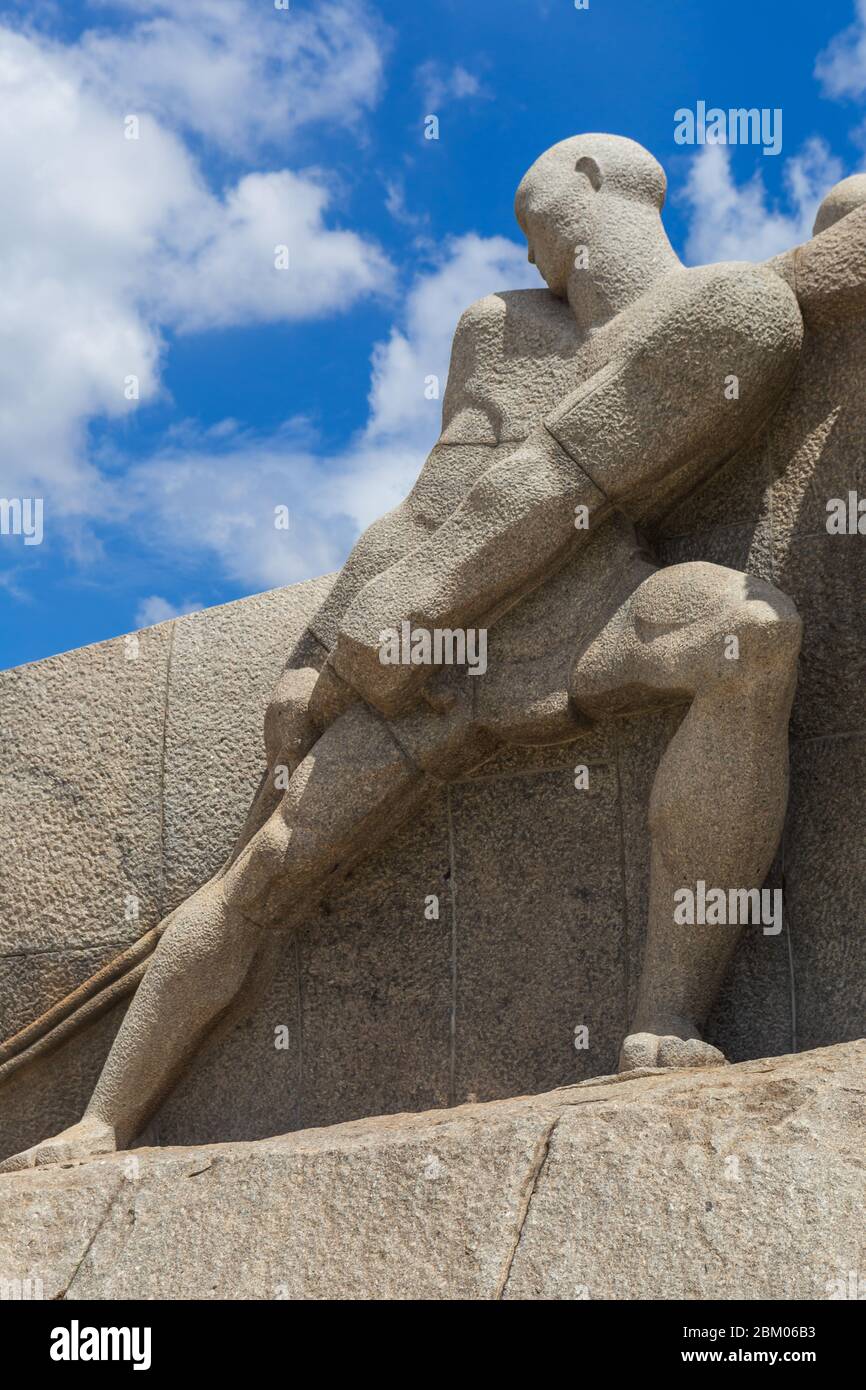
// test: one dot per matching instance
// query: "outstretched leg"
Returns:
(362, 778)
(729, 643)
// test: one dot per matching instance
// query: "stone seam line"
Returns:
(63, 1294)
(452, 886)
(533, 1177)
(162, 767)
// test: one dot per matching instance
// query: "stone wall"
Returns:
(739, 1183)
(128, 778)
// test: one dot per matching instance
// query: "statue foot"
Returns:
(84, 1140)
(672, 1043)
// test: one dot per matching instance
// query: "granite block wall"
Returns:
(127, 768)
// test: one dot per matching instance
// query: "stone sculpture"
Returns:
(572, 417)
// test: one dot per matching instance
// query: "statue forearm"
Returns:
(515, 525)
(658, 411)
(383, 543)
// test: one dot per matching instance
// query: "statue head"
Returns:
(843, 198)
(590, 210)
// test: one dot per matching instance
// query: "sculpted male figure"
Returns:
(601, 400)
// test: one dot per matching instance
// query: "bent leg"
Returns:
(289, 734)
(360, 781)
(729, 643)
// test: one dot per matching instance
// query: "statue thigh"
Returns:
(687, 630)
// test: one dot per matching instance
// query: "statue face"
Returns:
(585, 202)
(556, 210)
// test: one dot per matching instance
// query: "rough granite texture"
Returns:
(542, 890)
(745, 1182)
(127, 771)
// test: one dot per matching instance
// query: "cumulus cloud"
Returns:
(216, 499)
(217, 494)
(732, 222)
(264, 253)
(841, 67)
(112, 241)
(238, 73)
(108, 241)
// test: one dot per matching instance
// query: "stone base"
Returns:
(739, 1182)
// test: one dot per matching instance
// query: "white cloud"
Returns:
(212, 501)
(440, 84)
(156, 609)
(108, 241)
(216, 495)
(225, 269)
(105, 240)
(731, 222)
(841, 68)
(395, 204)
(238, 73)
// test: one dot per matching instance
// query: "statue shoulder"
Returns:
(732, 288)
(488, 320)
(709, 308)
(828, 273)
(505, 347)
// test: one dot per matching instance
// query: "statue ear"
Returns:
(587, 165)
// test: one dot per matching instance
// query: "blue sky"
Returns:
(154, 258)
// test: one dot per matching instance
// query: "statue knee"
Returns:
(761, 636)
(688, 628)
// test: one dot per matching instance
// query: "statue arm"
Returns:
(658, 407)
(828, 273)
(407, 526)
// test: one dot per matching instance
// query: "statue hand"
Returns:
(390, 687)
(369, 655)
(289, 730)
